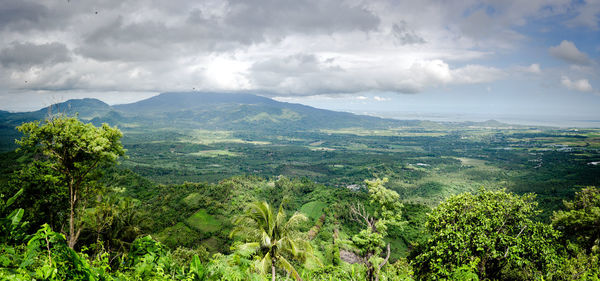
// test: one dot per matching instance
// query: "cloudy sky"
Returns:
(534, 57)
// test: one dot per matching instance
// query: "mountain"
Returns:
(86, 108)
(237, 111)
(207, 111)
(176, 101)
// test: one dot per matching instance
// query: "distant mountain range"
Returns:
(208, 111)
(232, 111)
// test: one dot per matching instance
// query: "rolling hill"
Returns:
(209, 111)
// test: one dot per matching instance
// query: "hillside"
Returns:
(234, 111)
(207, 111)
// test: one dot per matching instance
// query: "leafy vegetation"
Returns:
(442, 201)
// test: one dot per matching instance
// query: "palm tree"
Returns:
(270, 236)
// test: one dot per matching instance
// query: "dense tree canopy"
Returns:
(74, 151)
(492, 234)
(581, 221)
(488, 235)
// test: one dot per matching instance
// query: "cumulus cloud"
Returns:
(304, 74)
(276, 47)
(581, 85)
(24, 55)
(568, 52)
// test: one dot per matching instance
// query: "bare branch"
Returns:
(387, 257)
(523, 228)
(359, 214)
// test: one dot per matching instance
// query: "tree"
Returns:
(74, 151)
(581, 221)
(580, 225)
(272, 236)
(387, 212)
(491, 234)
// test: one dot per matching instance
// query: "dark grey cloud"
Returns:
(404, 35)
(243, 24)
(22, 15)
(26, 55)
(287, 47)
(279, 17)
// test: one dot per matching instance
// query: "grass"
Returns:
(214, 153)
(471, 162)
(439, 184)
(204, 222)
(313, 209)
(177, 235)
(384, 133)
(212, 137)
(193, 200)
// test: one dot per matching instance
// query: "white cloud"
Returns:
(582, 85)
(378, 98)
(534, 68)
(568, 52)
(285, 48)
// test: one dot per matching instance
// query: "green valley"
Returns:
(194, 162)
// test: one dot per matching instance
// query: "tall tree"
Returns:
(75, 151)
(491, 234)
(387, 212)
(272, 236)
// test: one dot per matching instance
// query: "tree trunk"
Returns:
(272, 271)
(387, 257)
(72, 215)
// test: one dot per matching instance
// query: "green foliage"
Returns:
(272, 238)
(354, 272)
(400, 270)
(388, 209)
(234, 267)
(370, 241)
(204, 222)
(144, 248)
(49, 258)
(424, 165)
(75, 151)
(47, 196)
(492, 234)
(313, 209)
(12, 225)
(580, 223)
(197, 270)
(111, 226)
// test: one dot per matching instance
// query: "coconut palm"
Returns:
(271, 237)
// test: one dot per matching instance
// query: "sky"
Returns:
(467, 59)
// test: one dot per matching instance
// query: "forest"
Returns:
(382, 200)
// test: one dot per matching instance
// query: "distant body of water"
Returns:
(552, 121)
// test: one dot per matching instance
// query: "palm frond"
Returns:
(289, 268)
(295, 220)
(266, 240)
(247, 249)
(264, 264)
